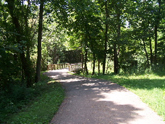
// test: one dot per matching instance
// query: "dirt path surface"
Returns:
(94, 101)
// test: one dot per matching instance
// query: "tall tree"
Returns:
(157, 21)
(38, 68)
(20, 20)
(86, 24)
(106, 35)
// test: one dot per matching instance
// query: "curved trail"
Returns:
(94, 101)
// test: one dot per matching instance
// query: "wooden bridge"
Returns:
(71, 67)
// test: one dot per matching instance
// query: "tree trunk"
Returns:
(27, 70)
(38, 68)
(82, 60)
(94, 60)
(98, 66)
(144, 45)
(156, 42)
(116, 64)
(156, 32)
(115, 59)
(86, 58)
(106, 37)
(151, 54)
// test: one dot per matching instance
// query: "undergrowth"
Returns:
(36, 105)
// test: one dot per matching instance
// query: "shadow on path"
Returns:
(94, 101)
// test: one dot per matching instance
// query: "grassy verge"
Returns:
(149, 87)
(41, 109)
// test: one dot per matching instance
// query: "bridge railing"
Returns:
(75, 66)
(71, 67)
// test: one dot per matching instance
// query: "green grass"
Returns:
(149, 87)
(41, 109)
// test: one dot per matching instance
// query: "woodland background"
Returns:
(119, 36)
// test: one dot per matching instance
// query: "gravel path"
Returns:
(94, 101)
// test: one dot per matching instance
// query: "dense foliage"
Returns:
(128, 33)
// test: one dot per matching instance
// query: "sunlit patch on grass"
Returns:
(51, 82)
